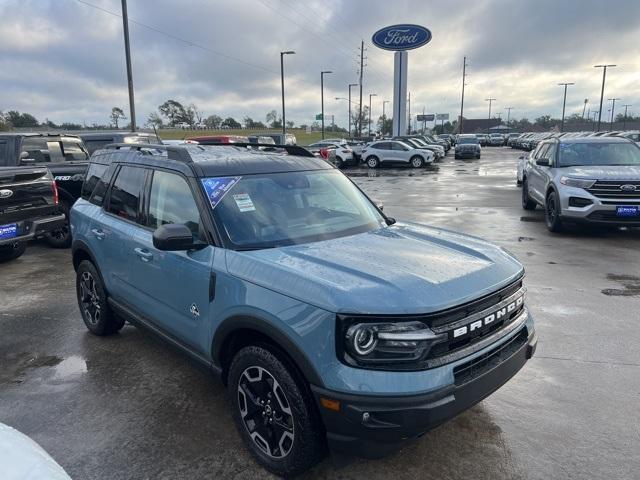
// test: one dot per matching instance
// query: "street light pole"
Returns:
(604, 76)
(127, 54)
(564, 103)
(322, 97)
(464, 74)
(508, 109)
(490, 100)
(350, 85)
(613, 107)
(371, 95)
(624, 127)
(282, 54)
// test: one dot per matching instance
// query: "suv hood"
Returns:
(602, 172)
(402, 269)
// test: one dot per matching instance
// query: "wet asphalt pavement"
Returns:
(128, 407)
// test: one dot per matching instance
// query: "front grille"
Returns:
(610, 216)
(467, 371)
(612, 189)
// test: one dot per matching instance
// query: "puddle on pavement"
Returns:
(18, 366)
(531, 219)
(630, 284)
(70, 367)
(526, 239)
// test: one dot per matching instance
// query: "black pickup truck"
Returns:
(29, 208)
(64, 155)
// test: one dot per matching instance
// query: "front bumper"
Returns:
(602, 210)
(374, 426)
(467, 153)
(30, 229)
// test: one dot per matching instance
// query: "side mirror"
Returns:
(173, 237)
(390, 220)
(543, 162)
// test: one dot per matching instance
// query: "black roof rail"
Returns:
(174, 152)
(291, 149)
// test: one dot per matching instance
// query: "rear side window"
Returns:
(124, 199)
(42, 149)
(94, 173)
(171, 201)
(73, 150)
(102, 185)
(93, 145)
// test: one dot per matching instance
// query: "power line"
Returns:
(180, 39)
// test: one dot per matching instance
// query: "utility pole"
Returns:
(490, 100)
(424, 122)
(584, 107)
(613, 107)
(464, 75)
(604, 76)
(350, 85)
(508, 109)
(409, 132)
(371, 95)
(282, 54)
(127, 53)
(361, 74)
(564, 103)
(322, 97)
(624, 127)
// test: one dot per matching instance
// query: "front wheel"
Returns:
(552, 212)
(417, 161)
(12, 251)
(373, 162)
(273, 412)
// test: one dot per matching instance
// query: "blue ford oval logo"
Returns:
(401, 37)
(628, 188)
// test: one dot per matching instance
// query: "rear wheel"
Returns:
(273, 412)
(417, 161)
(60, 238)
(92, 300)
(552, 212)
(527, 203)
(12, 251)
(373, 162)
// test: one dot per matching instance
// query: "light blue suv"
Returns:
(330, 323)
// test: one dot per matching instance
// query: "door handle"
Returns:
(144, 254)
(98, 233)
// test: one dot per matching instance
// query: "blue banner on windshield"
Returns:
(217, 188)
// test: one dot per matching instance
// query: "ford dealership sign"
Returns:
(401, 37)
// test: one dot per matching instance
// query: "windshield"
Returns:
(583, 154)
(278, 209)
(462, 140)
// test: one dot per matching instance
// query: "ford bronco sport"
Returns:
(252, 262)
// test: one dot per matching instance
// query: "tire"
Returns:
(552, 212)
(478, 156)
(287, 410)
(92, 300)
(527, 203)
(373, 162)
(457, 157)
(12, 251)
(417, 161)
(60, 238)
(339, 163)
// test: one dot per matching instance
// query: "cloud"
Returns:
(63, 60)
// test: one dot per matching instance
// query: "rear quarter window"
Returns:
(94, 174)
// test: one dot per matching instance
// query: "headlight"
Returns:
(384, 344)
(577, 182)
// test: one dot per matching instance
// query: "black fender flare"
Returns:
(235, 323)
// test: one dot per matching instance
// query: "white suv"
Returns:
(393, 152)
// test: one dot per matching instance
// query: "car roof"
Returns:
(37, 134)
(211, 160)
(613, 139)
(107, 135)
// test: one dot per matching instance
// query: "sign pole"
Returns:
(401, 59)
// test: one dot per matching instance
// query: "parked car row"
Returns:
(529, 141)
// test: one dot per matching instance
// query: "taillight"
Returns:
(54, 187)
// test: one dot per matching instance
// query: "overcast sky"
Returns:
(64, 60)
